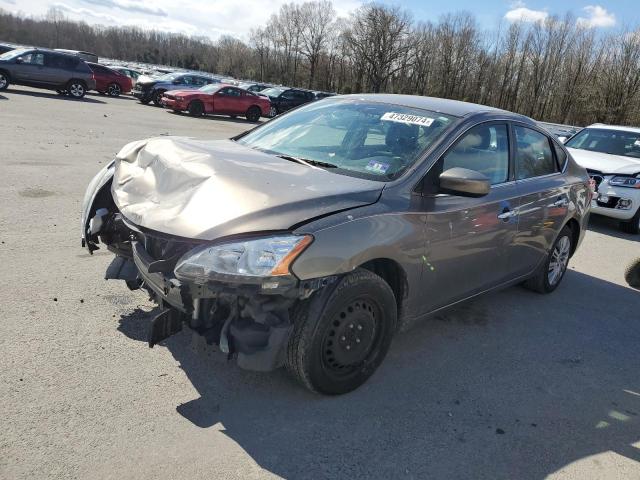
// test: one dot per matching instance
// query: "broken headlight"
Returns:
(256, 258)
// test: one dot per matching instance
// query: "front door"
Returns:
(31, 70)
(469, 240)
(544, 196)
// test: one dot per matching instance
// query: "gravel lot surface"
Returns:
(513, 386)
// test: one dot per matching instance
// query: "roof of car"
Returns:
(441, 105)
(624, 128)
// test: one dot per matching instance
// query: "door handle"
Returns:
(506, 214)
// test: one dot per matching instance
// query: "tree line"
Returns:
(554, 70)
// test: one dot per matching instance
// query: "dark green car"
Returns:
(310, 241)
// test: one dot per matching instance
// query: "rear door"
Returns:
(469, 241)
(544, 195)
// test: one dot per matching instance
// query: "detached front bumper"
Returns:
(241, 319)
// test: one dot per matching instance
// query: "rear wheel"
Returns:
(4, 81)
(342, 334)
(196, 109)
(114, 90)
(633, 225)
(552, 271)
(253, 114)
(157, 97)
(76, 89)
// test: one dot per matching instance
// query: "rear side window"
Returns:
(534, 157)
(485, 149)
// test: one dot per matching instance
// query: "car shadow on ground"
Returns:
(53, 96)
(512, 385)
(238, 119)
(609, 226)
(2, 97)
(123, 96)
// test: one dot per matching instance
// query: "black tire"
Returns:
(114, 90)
(196, 108)
(157, 97)
(253, 114)
(76, 89)
(342, 334)
(632, 226)
(632, 274)
(145, 101)
(543, 281)
(4, 81)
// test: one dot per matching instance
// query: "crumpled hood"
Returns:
(605, 163)
(208, 189)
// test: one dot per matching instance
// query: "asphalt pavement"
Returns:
(515, 385)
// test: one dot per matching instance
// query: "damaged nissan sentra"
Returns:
(309, 241)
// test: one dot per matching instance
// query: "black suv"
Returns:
(285, 98)
(48, 69)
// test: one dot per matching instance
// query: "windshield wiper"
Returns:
(307, 162)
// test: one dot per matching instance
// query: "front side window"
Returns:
(360, 138)
(33, 58)
(605, 140)
(485, 149)
(534, 157)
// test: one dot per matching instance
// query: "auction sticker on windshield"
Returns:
(377, 167)
(406, 118)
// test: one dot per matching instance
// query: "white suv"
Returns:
(611, 155)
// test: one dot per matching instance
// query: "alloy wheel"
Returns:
(76, 90)
(559, 260)
(114, 90)
(273, 112)
(3, 81)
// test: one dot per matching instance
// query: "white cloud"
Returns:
(520, 13)
(137, 7)
(597, 16)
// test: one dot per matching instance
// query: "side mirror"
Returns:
(563, 139)
(19, 60)
(464, 182)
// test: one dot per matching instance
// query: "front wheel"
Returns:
(633, 225)
(273, 111)
(4, 81)
(76, 89)
(253, 114)
(196, 109)
(157, 97)
(549, 276)
(342, 334)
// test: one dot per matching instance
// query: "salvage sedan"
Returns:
(309, 241)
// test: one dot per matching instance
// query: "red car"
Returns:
(220, 100)
(109, 81)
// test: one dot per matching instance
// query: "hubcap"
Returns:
(351, 337)
(76, 90)
(3, 81)
(559, 260)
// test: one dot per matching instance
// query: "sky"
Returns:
(214, 18)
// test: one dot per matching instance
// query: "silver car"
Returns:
(50, 69)
(310, 241)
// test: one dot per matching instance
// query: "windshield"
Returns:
(211, 88)
(604, 140)
(168, 76)
(365, 139)
(272, 92)
(13, 53)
